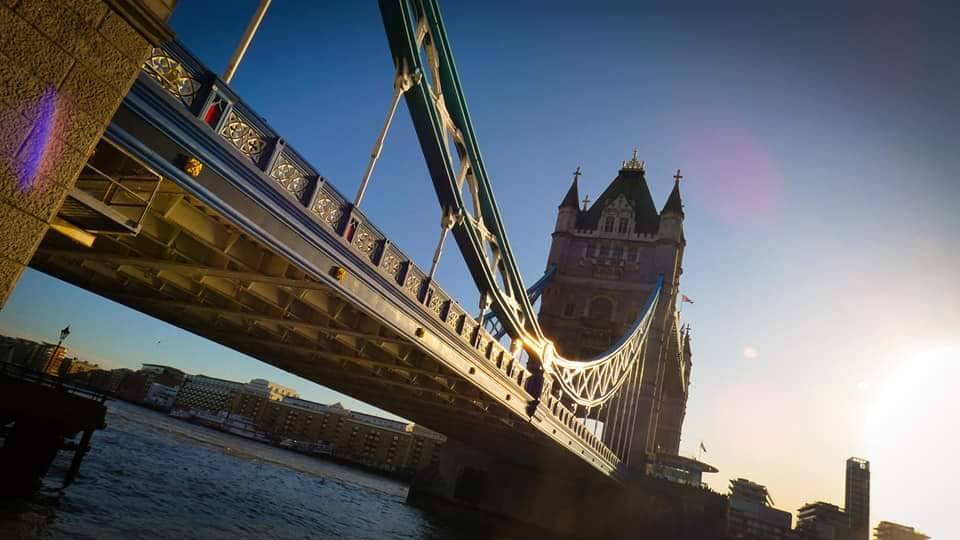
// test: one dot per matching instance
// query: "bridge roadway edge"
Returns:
(149, 103)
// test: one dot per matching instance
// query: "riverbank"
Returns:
(151, 476)
(401, 476)
(253, 449)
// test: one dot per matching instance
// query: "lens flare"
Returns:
(35, 151)
(742, 183)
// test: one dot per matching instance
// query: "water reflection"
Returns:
(149, 475)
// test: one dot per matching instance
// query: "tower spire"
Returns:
(674, 204)
(572, 197)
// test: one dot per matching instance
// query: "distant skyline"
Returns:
(818, 145)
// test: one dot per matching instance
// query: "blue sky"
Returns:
(818, 144)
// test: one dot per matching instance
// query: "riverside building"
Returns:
(822, 521)
(887, 530)
(306, 426)
(205, 395)
(751, 515)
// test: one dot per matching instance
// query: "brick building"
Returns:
(303, 425)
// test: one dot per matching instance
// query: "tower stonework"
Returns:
(608, 257)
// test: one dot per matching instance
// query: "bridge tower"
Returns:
(608, 256)
(67, 65)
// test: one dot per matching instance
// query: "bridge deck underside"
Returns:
(191, 268)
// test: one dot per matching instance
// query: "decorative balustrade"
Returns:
(213, 103)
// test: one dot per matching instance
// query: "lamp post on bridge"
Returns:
(63, 335)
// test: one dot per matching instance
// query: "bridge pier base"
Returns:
(515, 500)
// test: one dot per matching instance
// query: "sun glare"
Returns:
(905, 432)
(914, 389)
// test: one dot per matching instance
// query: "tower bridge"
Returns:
(192, 209)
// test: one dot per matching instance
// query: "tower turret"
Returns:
(674, 205)
(569, 211)
(671, 217)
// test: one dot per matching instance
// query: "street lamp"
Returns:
(63, 335)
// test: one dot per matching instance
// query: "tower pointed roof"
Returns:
(572, 198)
(674, 204)
(630, 182)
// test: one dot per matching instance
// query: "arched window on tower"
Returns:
(608, 224)
(622, 227)
(601, 309)
(568, 310)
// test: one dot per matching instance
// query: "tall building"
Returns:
(894, 531)
(608, 256)
(751, 515)
(822, 521)
(856, 499)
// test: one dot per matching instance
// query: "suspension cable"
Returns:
(401, 83)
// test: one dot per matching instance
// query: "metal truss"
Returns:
(422, 54)
(594, 382)
(490, 321)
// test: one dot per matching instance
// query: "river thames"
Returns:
(152, 476)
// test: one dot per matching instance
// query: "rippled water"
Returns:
(149, 475)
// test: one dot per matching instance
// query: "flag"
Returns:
(685, 298)
(702, 447)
